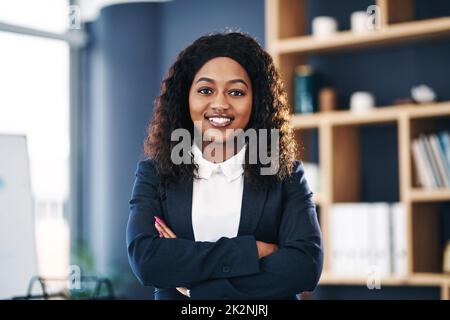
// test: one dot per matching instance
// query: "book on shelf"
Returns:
(438, 155)
(398, 222)
(305, 90)
(431, 157)
(444, 143)
(367, 238)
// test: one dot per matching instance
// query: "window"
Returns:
(34, 101)
(48, 15)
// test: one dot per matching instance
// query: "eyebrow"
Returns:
(230, 81)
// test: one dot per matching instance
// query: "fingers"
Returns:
(163, 229)
(265, 249)
(182, 290)
(274, 248)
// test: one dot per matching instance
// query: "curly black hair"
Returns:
(270, 107)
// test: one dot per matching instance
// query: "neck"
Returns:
(218, 152)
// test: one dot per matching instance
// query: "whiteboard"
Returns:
(18, 261)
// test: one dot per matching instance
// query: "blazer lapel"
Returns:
(252, 207)
(179, 206)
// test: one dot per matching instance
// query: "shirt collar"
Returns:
(232, 168)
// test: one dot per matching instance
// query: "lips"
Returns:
(219, 121)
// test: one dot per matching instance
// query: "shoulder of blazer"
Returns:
(297, 179)
(147, 169)
(298, 172)
(298, 167)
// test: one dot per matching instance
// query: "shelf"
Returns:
(418, 279)
(335, 139)
(392, 34)
(379, 115)
(428, 195)
(307, 121)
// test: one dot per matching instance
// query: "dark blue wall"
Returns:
(184, 21)
(121, 63)
(387, 72)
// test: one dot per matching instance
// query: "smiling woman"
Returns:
(215, 227)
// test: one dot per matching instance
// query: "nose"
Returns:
(219, 103)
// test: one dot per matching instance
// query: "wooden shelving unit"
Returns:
(384, 114)
(417, 194)
(345, 40)
(287, 42)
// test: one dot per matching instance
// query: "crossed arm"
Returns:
(264, 248)
(175, 262)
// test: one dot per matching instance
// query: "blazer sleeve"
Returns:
(169, 263)
(294, 268)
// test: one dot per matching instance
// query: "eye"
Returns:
(205, 91)
(237, 93)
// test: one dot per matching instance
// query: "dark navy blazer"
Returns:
(282, 213)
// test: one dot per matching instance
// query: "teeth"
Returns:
(219, 120)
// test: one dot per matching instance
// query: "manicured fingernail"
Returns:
(158, 219)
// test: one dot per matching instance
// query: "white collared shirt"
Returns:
(217, 196)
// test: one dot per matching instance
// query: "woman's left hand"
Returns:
(165, 232)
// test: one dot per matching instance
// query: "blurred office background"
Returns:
(78, 79)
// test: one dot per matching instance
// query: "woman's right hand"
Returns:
(264, 248)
